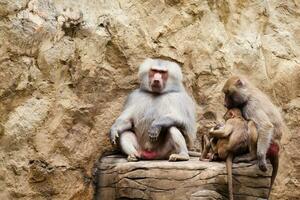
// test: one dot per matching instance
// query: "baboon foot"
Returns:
(132, 158)
(262, 164)
(204, 159)
(179, 157)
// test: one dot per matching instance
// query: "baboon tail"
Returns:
(229, 175)
(275, 162)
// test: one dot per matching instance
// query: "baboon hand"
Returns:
(114, 135)
(153, 132)
(211, 131)
(217, 126)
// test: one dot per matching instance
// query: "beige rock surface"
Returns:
(193, 179)
(66, 67)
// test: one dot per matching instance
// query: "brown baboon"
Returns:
(233, 138)
(257, 107)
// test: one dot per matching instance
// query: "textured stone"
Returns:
(67, 66)
(193, 179)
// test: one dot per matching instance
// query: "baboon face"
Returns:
(232, 113)
(157, 79)
(160, 76)
(234, 90)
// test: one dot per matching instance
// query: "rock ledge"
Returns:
(193, 179)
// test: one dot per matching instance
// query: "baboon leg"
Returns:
(129, 145)
(206, 148)
(180, 146)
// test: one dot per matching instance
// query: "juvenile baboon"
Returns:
(237, 136)
(257, 107)
(158, 120)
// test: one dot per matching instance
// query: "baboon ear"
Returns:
(231, 114)
(239, 83)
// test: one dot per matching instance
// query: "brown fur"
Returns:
(257, 107)
(230, 140)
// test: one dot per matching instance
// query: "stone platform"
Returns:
(163, 180)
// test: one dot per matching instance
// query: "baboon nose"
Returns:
(156, 82)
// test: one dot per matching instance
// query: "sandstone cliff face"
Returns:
(66, 68)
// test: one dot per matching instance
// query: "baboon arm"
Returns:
(264, 126)
(265, 130)
(124, 121)
(222, 133)
(262, 121)
(122, 125)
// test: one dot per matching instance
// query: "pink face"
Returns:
(157, 79)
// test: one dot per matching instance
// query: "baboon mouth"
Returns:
(156, 87)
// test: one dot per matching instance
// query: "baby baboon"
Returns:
(234, 138)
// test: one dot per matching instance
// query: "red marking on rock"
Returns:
(273, 150)
(149, 155)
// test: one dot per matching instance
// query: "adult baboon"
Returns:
(159, 117)
(257, 107)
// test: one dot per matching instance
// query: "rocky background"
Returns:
(66, 67)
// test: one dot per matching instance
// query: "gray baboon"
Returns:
(158, 120)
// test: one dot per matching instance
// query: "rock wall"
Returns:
(66, 68)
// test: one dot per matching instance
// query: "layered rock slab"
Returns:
(193, 179)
